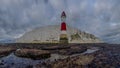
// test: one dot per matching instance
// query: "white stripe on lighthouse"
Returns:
(63, 32)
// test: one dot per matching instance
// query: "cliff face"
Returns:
(51, 34)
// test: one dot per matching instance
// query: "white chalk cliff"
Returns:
(51, 34)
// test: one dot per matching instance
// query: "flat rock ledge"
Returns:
(4, 51)
(32, 53)
(65, 50)
(55, 47)
(73, 50)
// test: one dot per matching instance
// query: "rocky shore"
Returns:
(40, 51)
(106, 57)
(78, 56)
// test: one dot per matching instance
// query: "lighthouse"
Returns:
(63, 35)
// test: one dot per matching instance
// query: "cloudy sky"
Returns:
(99, 17)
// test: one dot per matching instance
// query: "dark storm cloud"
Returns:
(99, 17)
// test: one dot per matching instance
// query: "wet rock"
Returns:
(29, 66)
(73, 50)
(1, 63)
(4, 51)
(55, 47)
(32, 53)
(71, 62)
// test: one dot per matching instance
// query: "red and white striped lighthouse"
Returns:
(63, 24)
(63, 35)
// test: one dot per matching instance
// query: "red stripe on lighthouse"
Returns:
(63, 26)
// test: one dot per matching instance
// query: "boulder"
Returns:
(32, 53)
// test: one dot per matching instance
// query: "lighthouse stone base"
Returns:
(63, 38)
